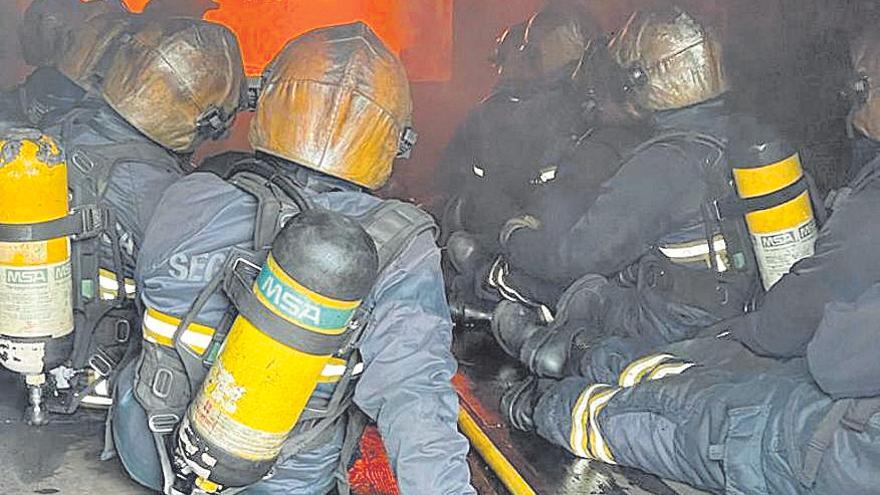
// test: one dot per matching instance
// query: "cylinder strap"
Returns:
(82, 222)
(737, 207)
(237, 285)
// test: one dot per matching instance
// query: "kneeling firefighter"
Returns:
(801, 368)
(45, 33)
(124, 149)
(550, 133)
(684, 235)
(266, 331)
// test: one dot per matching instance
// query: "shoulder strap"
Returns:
(674, 137)
(393, 225)
(273, 191)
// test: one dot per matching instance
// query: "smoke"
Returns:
(786, 58)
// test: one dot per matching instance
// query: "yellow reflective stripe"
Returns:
(636, 370)
(314, 296)
(159, 328)
(669, 369)
(598, 447)
(578, 438)
(109, 286)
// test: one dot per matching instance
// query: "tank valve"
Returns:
(36, 415)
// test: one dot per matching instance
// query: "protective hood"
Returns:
(335, 100)
(91, 47)
(671, 60)
(178, 81)
(866, 63)
(46, 91)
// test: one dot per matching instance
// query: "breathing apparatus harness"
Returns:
(393, 225)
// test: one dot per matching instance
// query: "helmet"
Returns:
(670, 59)
(336, 100)
(865, 89)
(547, 46)
(178, 81)
(85, 58)
(48, 24)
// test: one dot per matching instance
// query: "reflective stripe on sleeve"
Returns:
(637, 370)
(159, 329)
(497, 280)
(669, 369)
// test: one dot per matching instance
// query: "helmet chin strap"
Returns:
(214, 123)
(408, 139)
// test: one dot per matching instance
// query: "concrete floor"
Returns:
(60, 458)
(64, 458)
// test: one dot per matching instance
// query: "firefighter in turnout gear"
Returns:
(125, 146)
(552, 131)
(379, 351)
(668, 247)
(780, 400)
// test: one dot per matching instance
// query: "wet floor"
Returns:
(61, 458)
(485, 372)
(64, 457)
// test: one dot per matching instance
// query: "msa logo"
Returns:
(778, 240)
(289, 302)
(27, 277)
(807, 231)
(63, 271)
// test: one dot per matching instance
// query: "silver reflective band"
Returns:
(547, 175)
(696, 251)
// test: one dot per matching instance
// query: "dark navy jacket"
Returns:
(657, 193)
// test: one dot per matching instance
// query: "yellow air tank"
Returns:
(291, 321)
(768, 176)
(36, 313)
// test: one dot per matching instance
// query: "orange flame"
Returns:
(419, 30)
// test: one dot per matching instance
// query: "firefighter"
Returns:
(781, 400)
(552, 130)
(45, 33)
(126, 143)
(649, 257)
(215, 223)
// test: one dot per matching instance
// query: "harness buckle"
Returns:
(92, 221)
(249, 264)
(123, 331)
(162, 382)
(101, 365)
(163, 423)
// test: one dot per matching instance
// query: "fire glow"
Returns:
(420, 31)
